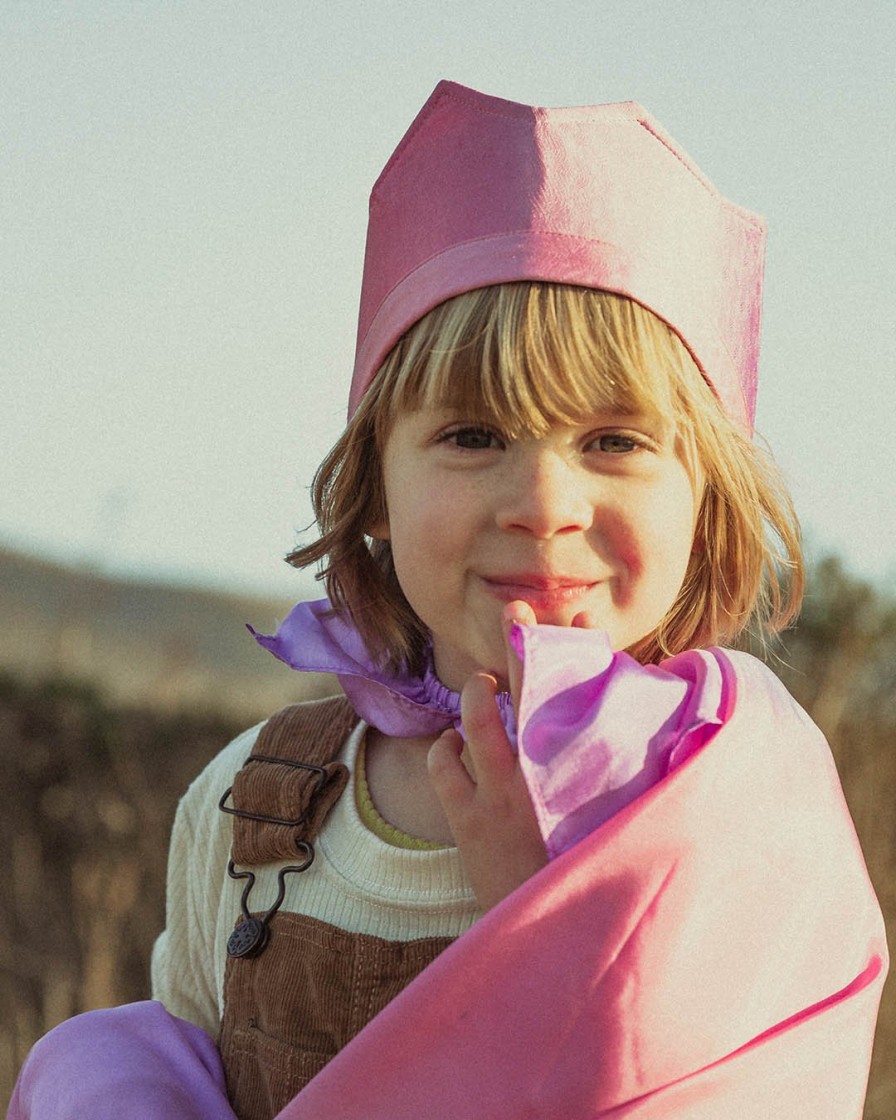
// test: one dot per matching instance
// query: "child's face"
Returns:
(595, 517)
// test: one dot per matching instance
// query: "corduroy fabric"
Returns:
(298, 734)
(290, 1010)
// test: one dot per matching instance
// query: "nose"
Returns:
(545, 494)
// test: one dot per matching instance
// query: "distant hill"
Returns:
(144, 643)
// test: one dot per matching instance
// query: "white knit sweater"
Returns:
(357, 882)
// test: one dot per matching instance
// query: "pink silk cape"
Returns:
(714, 949)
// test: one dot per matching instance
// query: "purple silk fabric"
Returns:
(313, 638)
(135, 1060)
(595, 728)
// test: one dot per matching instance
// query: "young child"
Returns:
(552, 854)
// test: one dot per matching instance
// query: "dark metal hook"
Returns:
(251, 933)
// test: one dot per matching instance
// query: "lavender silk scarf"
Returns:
(594, 730)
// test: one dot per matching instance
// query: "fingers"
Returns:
(485, 799)
(489, 753)
(520, 612)
(486, 759)
(447, 772)
(479, 781)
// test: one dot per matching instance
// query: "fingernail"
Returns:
(515, 612)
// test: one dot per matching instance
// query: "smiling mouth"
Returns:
(541, 593)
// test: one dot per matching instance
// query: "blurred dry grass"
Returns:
(89, 787)
(89, 793)
(840, 663)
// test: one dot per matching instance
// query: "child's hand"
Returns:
(482, 789)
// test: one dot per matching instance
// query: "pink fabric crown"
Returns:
(484, 191)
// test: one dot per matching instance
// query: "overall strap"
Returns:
(291, 780)
(296, 989)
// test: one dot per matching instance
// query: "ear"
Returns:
(379, 530)
(378, 512)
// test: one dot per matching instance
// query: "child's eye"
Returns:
(616, 443)
(471, 439)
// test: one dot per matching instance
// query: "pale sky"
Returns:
(184, 194)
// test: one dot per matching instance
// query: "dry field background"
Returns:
(112, 697)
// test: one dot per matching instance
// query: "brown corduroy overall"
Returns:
(304, 988)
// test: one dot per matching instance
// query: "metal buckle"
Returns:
(251, 935)
(263, 817)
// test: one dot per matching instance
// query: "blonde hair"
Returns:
(528, 355)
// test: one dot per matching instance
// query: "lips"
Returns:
(539, 591)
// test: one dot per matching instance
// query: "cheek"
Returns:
(655, 539)
(420, 536)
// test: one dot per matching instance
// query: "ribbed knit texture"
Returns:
(357, 882)
(371, 818)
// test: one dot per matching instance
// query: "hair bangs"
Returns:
(525, 356)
